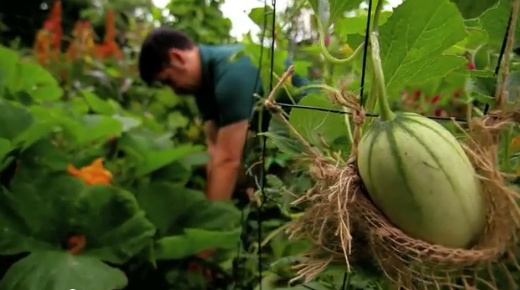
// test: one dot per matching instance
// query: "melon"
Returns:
(418, 175)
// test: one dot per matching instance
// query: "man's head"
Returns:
(170, 57)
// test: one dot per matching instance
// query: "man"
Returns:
(224, 91)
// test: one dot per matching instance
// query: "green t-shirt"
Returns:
(229, 85)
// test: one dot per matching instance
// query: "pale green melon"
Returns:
(418, 175)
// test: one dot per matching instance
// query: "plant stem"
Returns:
(379, 84)
(326, 52)
(501, 89)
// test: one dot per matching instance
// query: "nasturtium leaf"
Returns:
(97, 104)
(127, 122)
(495, 22)
(413, 41)
(90, 128)
(156, 159)
(8, 67)
(14, 120)
(110, 219)
(317, 126)
(473, 9)
(17, 76)
(53, 270)
(194, 241)
(38, 82)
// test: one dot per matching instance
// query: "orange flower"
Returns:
(83, 43)
(57, 31)
(48, 39)
(109, 47)
(92, 174)
(41, 48)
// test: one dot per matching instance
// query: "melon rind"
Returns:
(418, 175)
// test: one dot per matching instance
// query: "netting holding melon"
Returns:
(344, 224)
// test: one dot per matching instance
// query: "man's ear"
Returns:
(177, 58)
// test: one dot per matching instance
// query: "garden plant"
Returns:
(397, 169)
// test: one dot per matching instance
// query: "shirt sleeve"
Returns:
(235, 94)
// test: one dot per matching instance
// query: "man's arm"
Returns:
(226, 160)
(210, 131)
(235, 100)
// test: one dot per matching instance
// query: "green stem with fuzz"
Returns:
(386, 113)
(325, 52)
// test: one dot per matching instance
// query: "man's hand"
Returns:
(226, 160)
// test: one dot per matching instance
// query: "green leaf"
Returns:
(495, 22)
(473, 9)
(114, 227)
(97, 104)
(8, 66)
(194, 241)
(61, 271)
(282, 138)
(513, 86)
(357, 24)
(154, 160)
(5, 148)
(337, 8)
(17, 76)
(413, 41)
(262, 16)
(14, 120)
(165, 202)
(90, 128)
(38, 82)
(316, 126)
(172, 208)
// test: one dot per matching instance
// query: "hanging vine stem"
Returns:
(500, 92)
(329, 57)
(380, 86)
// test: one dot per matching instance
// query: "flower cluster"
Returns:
(47, 46)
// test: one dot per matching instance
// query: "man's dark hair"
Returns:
(154, 51)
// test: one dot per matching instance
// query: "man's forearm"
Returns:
(222, 179)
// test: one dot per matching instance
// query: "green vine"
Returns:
(329, 57)
(379, 84)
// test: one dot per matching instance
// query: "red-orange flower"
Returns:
(56, 29)
(109, 47)
(82, 44)
(42, 44)
(92, 174)
(47, 44)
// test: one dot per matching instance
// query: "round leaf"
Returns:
(62, 271)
